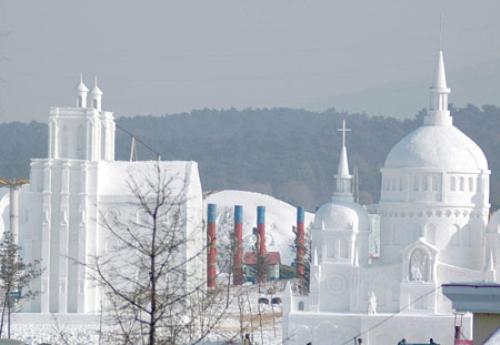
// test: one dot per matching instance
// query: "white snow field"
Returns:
(280, 217)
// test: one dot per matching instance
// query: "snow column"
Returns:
(211, 246)
(14, 212)
(299, 243)
(238, 246)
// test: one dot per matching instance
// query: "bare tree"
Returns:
(15, 278)
(151, 273)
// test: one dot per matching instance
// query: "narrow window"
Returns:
(435, 183)
(415, 184)
(426, 183)
(400, 184)
(301, 306)
(462, 183)
(453, 183)
(471, 184)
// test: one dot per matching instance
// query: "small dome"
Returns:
(341, 215)
(96, 91)
(494, 223)
(441, 147)
(81, 87)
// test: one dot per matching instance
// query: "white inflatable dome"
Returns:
(442, 147)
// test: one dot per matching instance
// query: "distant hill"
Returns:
(288, 153)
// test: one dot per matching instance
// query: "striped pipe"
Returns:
(238, 277)
(261, 228)
(300, 243)
(211, 245)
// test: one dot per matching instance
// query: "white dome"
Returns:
(441, 147)
(342, 215)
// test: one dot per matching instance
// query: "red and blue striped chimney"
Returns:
(238, 246)
(261, 228)
(300, 244)
(211, 245)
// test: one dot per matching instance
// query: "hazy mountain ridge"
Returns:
(288, 153)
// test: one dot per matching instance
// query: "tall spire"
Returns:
(438, 113)
(82, 90)
(343, 179)
(96, 96)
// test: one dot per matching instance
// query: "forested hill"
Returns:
(290, 154)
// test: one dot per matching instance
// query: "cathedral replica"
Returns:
(433, 222)
(80, 181)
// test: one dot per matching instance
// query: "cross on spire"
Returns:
(343, 130)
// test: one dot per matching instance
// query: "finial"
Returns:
(95, 81)
(81, 78)
(441, 31)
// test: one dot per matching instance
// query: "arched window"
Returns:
(301, 305)
(80, 101)
(94, 103)
(453, 183)
(400, 184)
(471, 184)
(462, 183)
(426, 183)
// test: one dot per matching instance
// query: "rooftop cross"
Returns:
(343, 130)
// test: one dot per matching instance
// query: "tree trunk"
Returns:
(8, 318)
(3, 313)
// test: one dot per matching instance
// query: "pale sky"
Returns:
(163, 57)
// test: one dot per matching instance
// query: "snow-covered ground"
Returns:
(77, 329)
(280, 217)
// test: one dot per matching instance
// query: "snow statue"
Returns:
(419, 266)
(372, 303)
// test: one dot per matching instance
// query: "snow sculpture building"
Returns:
(433, 216)
(68, 191)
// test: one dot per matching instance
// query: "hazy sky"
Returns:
(158, 57)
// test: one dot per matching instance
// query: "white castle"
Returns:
(433, 220)
(57, 216)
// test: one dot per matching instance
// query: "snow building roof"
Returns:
(441, 147)
(115, 176)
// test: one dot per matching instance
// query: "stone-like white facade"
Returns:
(433, 216)
(80, 181)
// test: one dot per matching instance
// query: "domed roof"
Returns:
(341, 215)
(441, 147)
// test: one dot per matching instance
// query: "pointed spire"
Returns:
(81, 87)
(438, 114)
(82, 90)
(440, 81)
(96, 90)
(343, 178)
